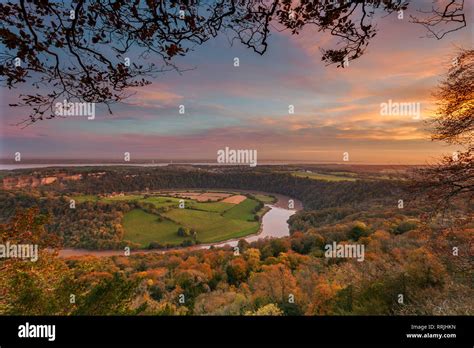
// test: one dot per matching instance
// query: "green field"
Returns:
(125, 198)
(166, 201)
(212, 221)
(143, 228)
(212, 227)
(320, 176)
(217, 207)
(159, 201)
(265, 198)
(85, 198)
(242, 211)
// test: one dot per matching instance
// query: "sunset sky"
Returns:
(336, 110)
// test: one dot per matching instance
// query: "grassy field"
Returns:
(159, 201)
(143, 228)
(212, 227)
(242, 211)
(217, 207)
(124, 198)
(166, 201)
(325, 177)
(85, 198)
(265, 199)
(213, 221)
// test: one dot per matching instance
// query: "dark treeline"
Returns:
(91, 225)
(314, 194)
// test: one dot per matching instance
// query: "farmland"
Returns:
(201, 219)
(325, 177)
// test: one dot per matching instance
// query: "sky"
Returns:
(247, 107)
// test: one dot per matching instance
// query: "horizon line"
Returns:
(148, 161)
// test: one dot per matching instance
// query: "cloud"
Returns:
(336, 110)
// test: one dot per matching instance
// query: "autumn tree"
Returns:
(237, 271)
(220, 303)
(111, 296)
(32, 287)
(270, 309)
(452, 179)
(44, 287)
(276, 284)
(28, 226)
(252, 257)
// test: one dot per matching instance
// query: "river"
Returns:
(274, 224)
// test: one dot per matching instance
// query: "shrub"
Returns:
(405, 226)
(184, 232)
(155, 245)
(359, 229)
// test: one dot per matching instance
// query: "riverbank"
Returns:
(274, 224)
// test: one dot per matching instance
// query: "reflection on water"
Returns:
(274, 224)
